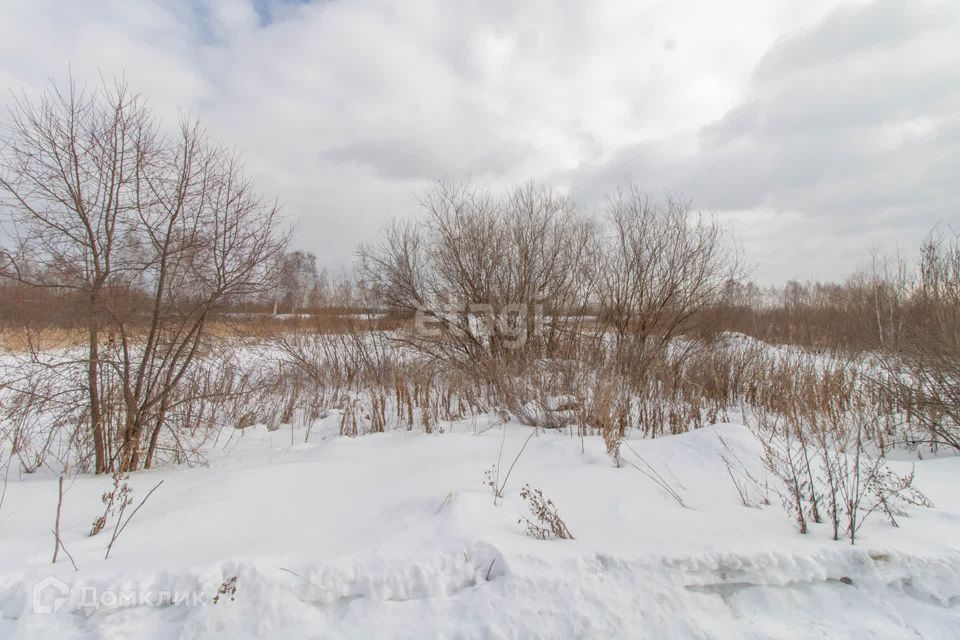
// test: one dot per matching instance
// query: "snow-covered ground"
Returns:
(396, 535)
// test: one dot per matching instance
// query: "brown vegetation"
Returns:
(141, 235)
(141, 265)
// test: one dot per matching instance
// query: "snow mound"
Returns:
(396, 535)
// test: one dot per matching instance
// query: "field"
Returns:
(422, 528)
(512, 415)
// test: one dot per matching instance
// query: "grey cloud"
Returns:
(854, 30)
(347, 109)
(852, 125)
(430, 157)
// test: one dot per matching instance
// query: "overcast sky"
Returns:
(818, 129)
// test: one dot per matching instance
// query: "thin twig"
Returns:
(294, 573)
(496, 480)
(60, 542)
(490, 568)
(56, 523)
(507, 477)
(445, 501)
(655, 476)
(117, 532)
(6, 472)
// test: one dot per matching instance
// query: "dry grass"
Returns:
(20, 339)
(368, 372)
(546, 523)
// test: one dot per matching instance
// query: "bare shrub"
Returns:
(902, 320)
(828, 468)
(521, 293)
(122, 523)
(651, 472)
(374, 382)
(546, 523)
(492, 477)
(606, 409)
(660, 267)
(923, 374)
(143, 233)
(41, 407)
(115, 501)
(787, 455)
(752, 492)
(44, 414)
(489, 279)
(227, 588)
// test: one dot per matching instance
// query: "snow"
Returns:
(396, 535)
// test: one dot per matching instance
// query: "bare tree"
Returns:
(660, 266)
(152, 231)
(68, 177)
(298, 281)
(923, 372)
(488, 277)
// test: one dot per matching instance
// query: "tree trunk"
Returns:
(93, 383)
(152, 448)
(130, 447)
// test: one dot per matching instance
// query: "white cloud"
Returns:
(347, 109)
